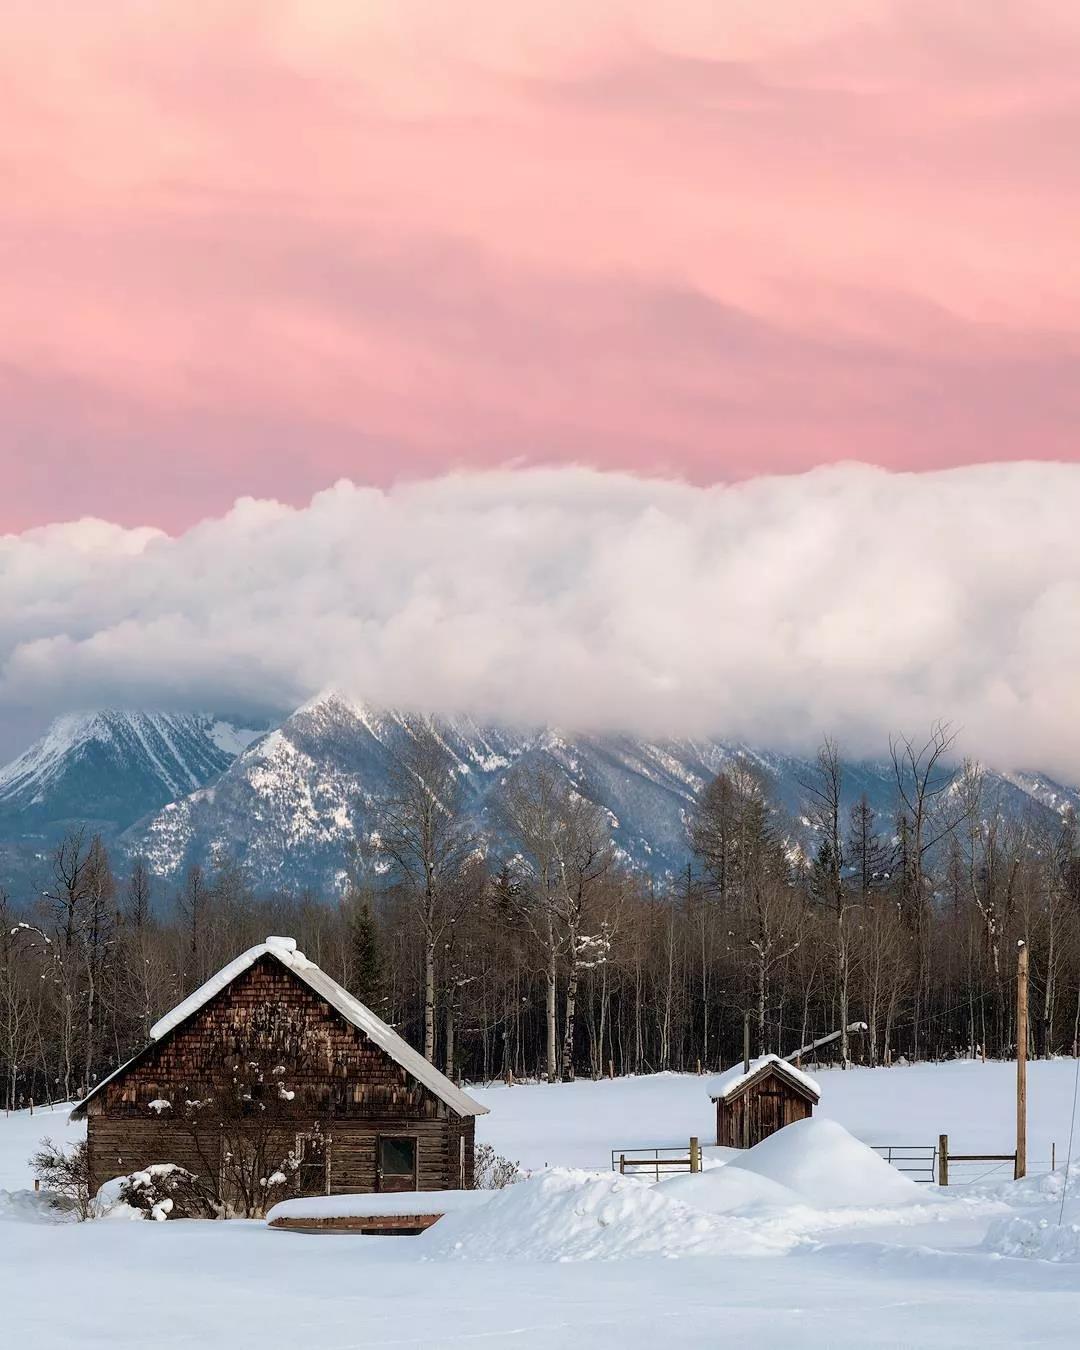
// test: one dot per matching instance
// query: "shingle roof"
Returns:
(284, 950)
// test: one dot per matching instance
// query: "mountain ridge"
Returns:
(289, 803)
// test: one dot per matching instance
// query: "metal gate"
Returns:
(917, 1161)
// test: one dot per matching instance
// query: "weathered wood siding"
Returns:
(344, 1086)
(764, 1108)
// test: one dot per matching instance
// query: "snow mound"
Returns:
(1038, 1236)
(31, 1206)
(826, 1167)
(729, 1190)
(568, 1215)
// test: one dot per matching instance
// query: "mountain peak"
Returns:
(110, 766)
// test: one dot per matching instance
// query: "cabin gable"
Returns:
(265, 1021)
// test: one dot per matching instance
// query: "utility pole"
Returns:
(1021, 1059)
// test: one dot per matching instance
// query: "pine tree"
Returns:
(365, 959)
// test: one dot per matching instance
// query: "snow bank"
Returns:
(1049, 1233)
(826, 1166)
(32, 1206)
(373, 1206)
(567, 1215)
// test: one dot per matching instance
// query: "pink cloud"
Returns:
(252, 248)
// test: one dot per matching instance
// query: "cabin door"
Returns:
(397, 1163)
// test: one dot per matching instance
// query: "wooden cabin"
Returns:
(756, 1102)
(273, 1056)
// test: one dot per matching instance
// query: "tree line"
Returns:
(531, 949)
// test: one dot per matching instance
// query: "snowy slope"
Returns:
(294, 803)
(108, 768)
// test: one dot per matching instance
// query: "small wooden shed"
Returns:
(756, 1102)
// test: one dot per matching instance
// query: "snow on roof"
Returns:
(729, 1084)
(283, 949)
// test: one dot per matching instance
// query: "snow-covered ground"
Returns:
(807, 1240)
(578, 1124)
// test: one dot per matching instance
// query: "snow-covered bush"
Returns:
(64, 1175)
(491, 1171)
(165, 1191)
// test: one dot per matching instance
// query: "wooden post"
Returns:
(622, 1164)
(695, 1153)
(1020, 1169)
(746, 1042)
(1053, 1157)
(943, 1160)
(37, 1183)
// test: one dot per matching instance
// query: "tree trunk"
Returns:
(568, 1034)
(552, 1032)
(450, 1035)
(429, 1000)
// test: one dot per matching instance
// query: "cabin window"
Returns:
(397, 1159)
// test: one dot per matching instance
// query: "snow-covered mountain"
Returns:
(109, 769)
(289, 804)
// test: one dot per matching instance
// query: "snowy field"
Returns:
(578, 1124)
(808, 1240)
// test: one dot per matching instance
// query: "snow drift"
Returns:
(1048, 1232)
(568, 1215)
(826, 1166)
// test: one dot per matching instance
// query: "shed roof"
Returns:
(738, 1079)
(283, 949)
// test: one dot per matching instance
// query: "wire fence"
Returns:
(917, 1161)
(922, 1164)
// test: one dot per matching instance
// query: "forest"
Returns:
(543, 955)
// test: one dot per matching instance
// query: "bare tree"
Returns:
(930, 811)
(421, 832)
(823, 789)
(18, 1029)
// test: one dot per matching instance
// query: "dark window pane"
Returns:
(397, 1157)
(311, 1174)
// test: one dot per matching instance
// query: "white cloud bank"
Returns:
(848, 600)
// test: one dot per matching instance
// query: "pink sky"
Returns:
(252, 247)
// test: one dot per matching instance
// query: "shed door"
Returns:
(397, 1162)
(770, 1112)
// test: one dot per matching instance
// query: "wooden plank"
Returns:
(372, 1225)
